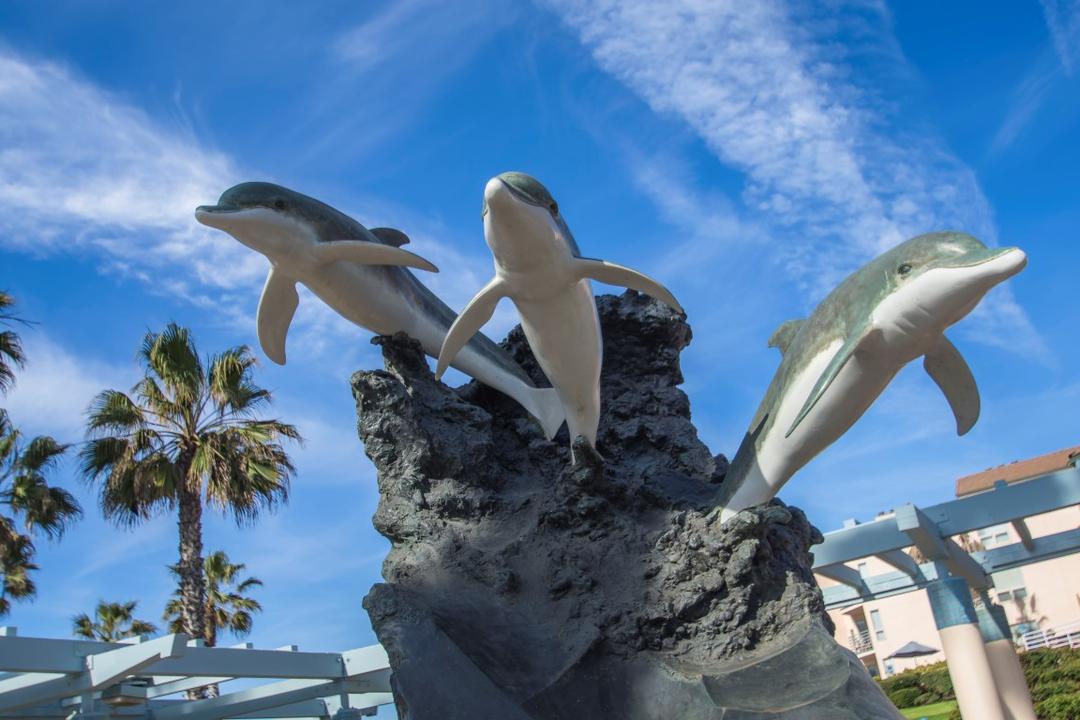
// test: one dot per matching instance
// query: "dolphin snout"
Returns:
(1006, 263)
(496, 191)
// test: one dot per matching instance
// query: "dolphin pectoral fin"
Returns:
(363, 252)
(613, 274)
(783, 335)
(468, 323)
(950, 371)
(839, 360)
(391, 236)
(276, 309)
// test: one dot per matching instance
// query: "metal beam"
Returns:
(1003, 504)
(845, 576)
(1024, 533)
(990, 561)
(46, 655)
(902, 562)
(98, 671)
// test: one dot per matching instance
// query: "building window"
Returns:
(1009, 585)
(889, 668)
(994, 536)
(875, 620)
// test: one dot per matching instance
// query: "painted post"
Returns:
(1012, 687)
(965, 653)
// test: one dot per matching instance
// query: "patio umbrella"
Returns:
(912, 650)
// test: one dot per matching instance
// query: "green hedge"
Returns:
(1052, 675)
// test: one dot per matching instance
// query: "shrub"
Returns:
(1059, 707)
(905, 697)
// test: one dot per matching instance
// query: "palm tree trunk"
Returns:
(192, 584)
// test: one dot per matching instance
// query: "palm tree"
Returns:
(11, 352)
(34, 504)
(187, 434)
(113, 622)
(227, 608)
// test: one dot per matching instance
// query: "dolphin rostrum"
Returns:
(539, 267)
(357, 272)
(839, 360)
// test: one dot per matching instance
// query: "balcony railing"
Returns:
(1062, 636)
(861, 643)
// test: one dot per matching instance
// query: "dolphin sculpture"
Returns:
(539, 267)
(839, 360)
(361, 274)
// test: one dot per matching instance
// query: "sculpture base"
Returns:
(520, 586)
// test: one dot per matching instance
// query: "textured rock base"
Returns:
(519, 586)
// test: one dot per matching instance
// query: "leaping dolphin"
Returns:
(539, 267)
(836, 363)
(357, 272)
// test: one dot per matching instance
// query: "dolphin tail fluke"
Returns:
(363, 252)
(468, 323)
(547, 408)
(276, 309)
(612, 274)
(947, 367)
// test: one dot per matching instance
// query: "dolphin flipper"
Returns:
(839, 360)
(613, 274)
(363, 252)
(276, 308)
(468, 323)
(950, 371)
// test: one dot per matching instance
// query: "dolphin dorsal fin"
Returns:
(947, 367)
(783, 335)
(276, 309)
(391, 236)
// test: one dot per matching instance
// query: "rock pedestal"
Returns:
(521, 586)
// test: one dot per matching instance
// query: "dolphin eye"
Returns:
(279, 204)
(903, 269)
(554, 207)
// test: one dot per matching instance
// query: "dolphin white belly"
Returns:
(779, 457)
(564, 333)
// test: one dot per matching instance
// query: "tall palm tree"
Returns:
(187, 434)
(111, 622)
(227, 608)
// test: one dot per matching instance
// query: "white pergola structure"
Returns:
(145, 678)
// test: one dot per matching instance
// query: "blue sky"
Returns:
(749, 155)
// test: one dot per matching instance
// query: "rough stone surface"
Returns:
(521, 586)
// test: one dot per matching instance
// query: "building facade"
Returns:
(1041, 600)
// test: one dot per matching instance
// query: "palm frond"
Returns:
(171, 355)
(112, 411)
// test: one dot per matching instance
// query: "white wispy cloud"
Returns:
(53, 391)
(1063, 23)
(826, 159)
(81, 168)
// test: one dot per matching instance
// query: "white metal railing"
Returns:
(860, 642)
(1062, 636)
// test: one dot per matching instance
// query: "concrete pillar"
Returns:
(965, 653)
(1009, 677)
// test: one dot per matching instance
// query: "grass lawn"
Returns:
(937, 711)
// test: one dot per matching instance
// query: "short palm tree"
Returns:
(11, 353)
(227, 608)
(35, 506)
(111, 622)
(187, 434)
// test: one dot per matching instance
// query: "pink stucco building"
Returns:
(1042, 600)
